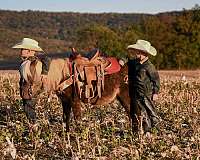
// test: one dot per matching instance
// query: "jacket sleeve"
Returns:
(154, 78)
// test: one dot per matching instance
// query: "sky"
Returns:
(99, 6)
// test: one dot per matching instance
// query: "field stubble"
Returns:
(104, 133)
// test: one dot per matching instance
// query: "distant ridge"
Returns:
(57, 31)
(175, 35)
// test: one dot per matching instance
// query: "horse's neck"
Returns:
(58, 71)
(67, 68)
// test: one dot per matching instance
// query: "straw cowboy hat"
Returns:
(144, 46)
(28, 43)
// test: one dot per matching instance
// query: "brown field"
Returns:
(104, 132)
(176, 74)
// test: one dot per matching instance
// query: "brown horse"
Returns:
(60, 69)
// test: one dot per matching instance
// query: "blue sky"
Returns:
(99, 6)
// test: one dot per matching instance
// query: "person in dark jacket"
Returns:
(28, 49)
(144, 85)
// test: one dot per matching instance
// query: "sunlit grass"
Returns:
(104, 131)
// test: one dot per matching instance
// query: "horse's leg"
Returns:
(131, 108)
(76, 108)
(69, 101)
(67, 105)
(124, 99)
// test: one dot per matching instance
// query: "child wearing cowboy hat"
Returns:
(28, 49)
(144, 85)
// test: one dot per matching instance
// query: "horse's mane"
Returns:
(57, 70)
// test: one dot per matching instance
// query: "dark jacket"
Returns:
(143, 79)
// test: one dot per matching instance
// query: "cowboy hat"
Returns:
(28, 43)
(144, 46)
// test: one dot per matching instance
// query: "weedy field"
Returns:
(104, 133)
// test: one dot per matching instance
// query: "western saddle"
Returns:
(89, 75)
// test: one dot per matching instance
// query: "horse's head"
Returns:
(31, 73)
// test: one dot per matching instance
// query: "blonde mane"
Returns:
(25, 70)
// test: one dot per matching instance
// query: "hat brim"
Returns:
(152, 51)
(24, 46)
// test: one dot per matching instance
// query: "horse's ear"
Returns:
(73, 50)
(74, 53)
(97, 52)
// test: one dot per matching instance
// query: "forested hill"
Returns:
(56, 31)
(175, 34)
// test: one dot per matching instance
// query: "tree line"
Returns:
(175, 35)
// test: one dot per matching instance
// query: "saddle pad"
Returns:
(114, 65)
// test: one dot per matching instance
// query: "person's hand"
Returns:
(126, 79)
(155, 97)
(121, 62)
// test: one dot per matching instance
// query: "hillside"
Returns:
(55, 31)
(175, 35)
(9, 37)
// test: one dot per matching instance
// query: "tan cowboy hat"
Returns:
(28, 43)
(144, 46)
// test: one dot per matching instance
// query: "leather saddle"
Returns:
(89, 75)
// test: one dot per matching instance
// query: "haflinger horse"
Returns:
(78, 80)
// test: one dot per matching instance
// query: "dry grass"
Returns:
(178, 75)
(104, 132)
